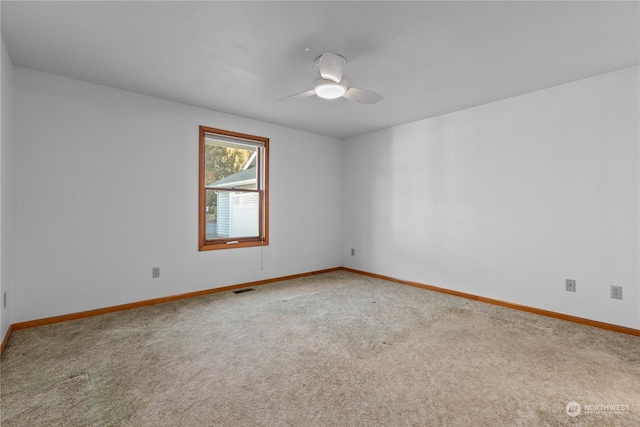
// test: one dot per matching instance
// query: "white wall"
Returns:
(6, 171)
(508, 199)
(106, 188)
(505, 200)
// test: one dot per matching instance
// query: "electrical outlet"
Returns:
(616, 292)
(155, 272)
(4, 299)
(571, 285)
(353, 252)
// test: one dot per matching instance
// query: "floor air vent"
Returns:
(240, 291)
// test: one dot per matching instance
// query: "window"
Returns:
(233, 202)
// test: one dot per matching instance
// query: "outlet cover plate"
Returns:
(571, 285)
(155, 272)
(616, 292)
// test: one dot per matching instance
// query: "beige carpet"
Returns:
(337, 349)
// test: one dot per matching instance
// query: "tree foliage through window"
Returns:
(223, 161)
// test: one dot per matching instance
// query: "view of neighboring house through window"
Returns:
(233, 189)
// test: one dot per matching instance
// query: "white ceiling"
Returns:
(425, 58)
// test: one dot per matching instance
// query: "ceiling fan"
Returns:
(331, 84)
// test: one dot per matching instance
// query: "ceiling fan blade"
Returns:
(331, 66)
(362, 96)
(298, 95)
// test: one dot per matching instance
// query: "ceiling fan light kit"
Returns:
(332, 85)
(328, 89)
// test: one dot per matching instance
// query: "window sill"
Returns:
(233, 244)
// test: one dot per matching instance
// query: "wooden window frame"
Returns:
(262, 239)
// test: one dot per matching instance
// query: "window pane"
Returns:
(231, 214)
(230, 165)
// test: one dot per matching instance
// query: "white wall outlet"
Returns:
(616, 292)
(353, 252)
(4, 299)
(570, 285)
(155, 272)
